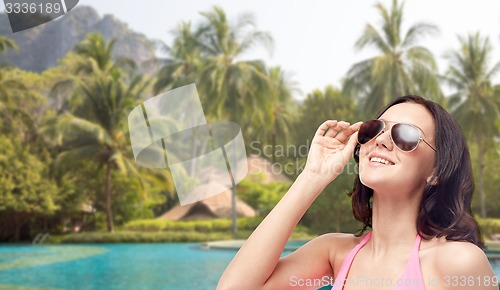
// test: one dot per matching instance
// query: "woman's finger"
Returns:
(343, 135)
(334, 130)
(324, 127)
(356, 125)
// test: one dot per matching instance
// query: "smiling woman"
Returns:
(414, 201)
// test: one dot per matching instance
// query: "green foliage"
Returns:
(155, 225)
(25, 191)
(491, 179)
(202, 226)
(401, 68)
(226, 79)
(129, 203)
(20, 102)
(249, 224)
(140, 237)
(221, 225)
(7, 43)
(272, 122)
(332, 211)
(23, 184)
(231, 88)
(102, 96)
(475, 100)
(80, 107)
(322, 105)
(489, 226)
(184, 62)
(262, 197)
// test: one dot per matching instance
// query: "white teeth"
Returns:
(380, 160)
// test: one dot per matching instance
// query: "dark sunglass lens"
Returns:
(405, 136)
(368, 130)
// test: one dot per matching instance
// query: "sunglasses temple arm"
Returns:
(428, 144)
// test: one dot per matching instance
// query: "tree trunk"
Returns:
(17, 228)
(234, 225)
(480, 165)
(338, 222)
(109, 213)
(273, 141)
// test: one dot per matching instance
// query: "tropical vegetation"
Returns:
(66, 163)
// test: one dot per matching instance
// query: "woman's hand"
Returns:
(331, 149)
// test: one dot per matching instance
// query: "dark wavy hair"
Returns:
(445, 208)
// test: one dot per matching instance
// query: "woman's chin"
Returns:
(378, 183)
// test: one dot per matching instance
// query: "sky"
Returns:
(314, 40)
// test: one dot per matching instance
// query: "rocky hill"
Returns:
(41, 47)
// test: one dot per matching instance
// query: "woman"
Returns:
(413, 194)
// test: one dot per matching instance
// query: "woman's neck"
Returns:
(393, 222)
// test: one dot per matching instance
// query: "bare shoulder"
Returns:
(337, 241)
(334, 242)
(339, 245)
(459, 258)
(313, 260)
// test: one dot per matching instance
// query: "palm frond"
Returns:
(371, 36)
(418, 31)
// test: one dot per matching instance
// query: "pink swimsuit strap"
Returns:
(410, 280)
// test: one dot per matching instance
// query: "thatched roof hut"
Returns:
(219, 206)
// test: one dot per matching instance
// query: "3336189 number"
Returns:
(470, 281)
(25, 8)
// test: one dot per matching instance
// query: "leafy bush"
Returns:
(203, 226)
(146, 225)
(221, 225)
(489, 226)
(262, 197)
(139, 237)
(249, 224)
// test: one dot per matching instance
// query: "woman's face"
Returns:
(407, 172)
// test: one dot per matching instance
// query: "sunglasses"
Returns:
(405, 136)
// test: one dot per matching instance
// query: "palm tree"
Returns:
(183, 62)
(401, 68)
(474, 102)
(95, 47)
(6, 43)
(103, 136)
(231, 87)
(272, 122)
(231, 84)
(97, 129)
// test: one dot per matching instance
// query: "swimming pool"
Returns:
(115, 266)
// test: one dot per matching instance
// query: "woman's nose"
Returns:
(384, 139)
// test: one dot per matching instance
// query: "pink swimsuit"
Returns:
(410, 280)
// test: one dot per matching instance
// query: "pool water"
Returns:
(115, 266)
